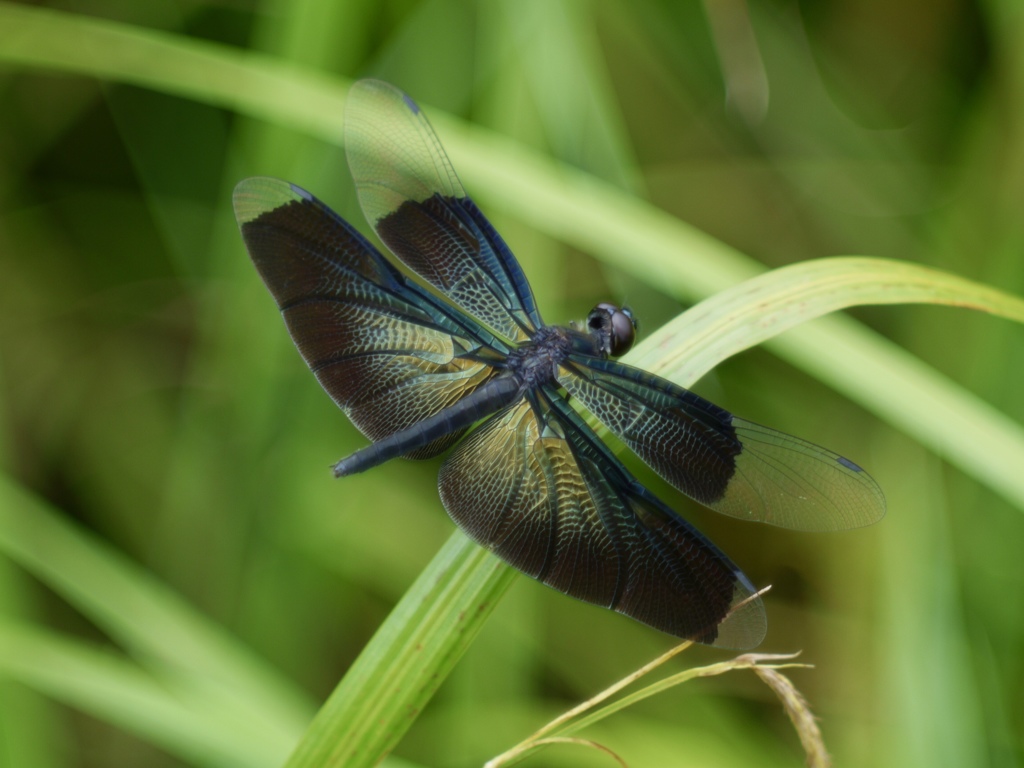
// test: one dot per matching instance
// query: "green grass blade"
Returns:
(27, 719)
(759, 309)
(145, 617)
(407, 659)
(187, 721)
(909, 394)
(254, 84)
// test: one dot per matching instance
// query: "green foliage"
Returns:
(177, 562)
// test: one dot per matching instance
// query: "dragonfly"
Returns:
(460, 359)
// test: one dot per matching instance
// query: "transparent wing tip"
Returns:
(746, 623)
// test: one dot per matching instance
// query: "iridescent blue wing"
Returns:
(387, 352)
(537, 487)
(414, 201)
(733, 466)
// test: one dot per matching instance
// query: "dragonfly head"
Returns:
(613, 328)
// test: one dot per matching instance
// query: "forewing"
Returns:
(388, 353)
(414, 201)
(536, 486)
(733, 466)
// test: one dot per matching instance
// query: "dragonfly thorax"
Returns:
(608, 332)
(536, 362)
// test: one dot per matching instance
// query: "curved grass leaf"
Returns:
(144, 617)
(407, 659)
(184, 719)
(757, 310)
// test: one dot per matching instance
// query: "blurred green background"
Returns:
(161, 434)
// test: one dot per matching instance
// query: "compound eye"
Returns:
(613, 329)
(623, 331)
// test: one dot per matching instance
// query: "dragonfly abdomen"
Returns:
(490, 398)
